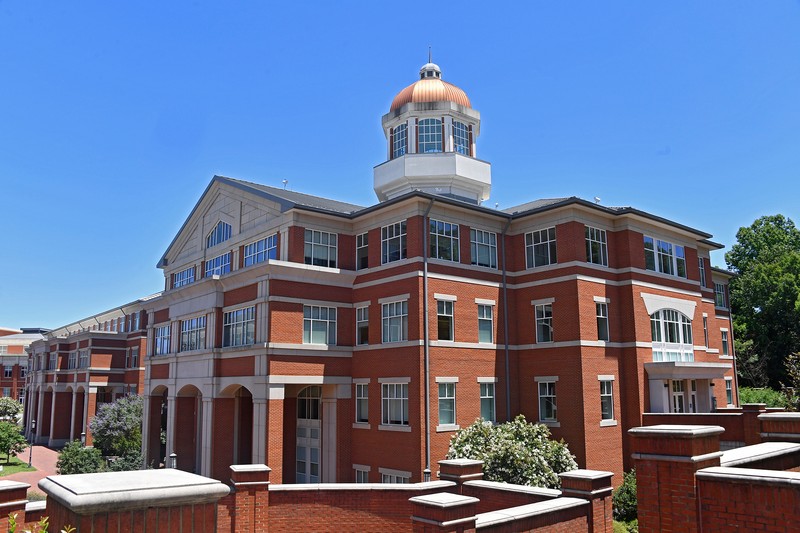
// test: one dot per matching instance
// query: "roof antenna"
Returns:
(285, 183)
(429, 55)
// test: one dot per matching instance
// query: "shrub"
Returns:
(10, 409)
(624, 499)
(132, 461)
(117, 426)
(771, 397)
(75, 458)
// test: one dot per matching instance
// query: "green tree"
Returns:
(10, 408)
(624, 499)
(11, 439)
(75, 458)
(514, 452)
(765, 296)
(117, 426)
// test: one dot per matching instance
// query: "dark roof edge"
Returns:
(723, 271)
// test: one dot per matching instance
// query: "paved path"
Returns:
(44, 460)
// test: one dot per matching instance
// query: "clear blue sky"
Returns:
(114, 116)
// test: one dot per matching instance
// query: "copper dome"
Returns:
(430, 88)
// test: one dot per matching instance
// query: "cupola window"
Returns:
(430, 135)
(221, 233)
(399, 141)
(461, 138)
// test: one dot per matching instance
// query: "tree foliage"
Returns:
(514, 452)
(11, 439)
(624, 499)
(75, 458)
(765, 297)
(10, 408)
(117, 426)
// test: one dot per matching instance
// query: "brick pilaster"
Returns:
(251, 497)
(594, 486)
(750, 422)
(459, 471)
(443, 512)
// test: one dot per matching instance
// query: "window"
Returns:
(362, 251)
(596, 246)
(394, 400)
(540, 248)
(606, 400)
(485, 324)
(320, 248)
(239, 327)
(362, 402)
(261, 250)
(602, 321)
(161, 340)
(220, 233)
(487, 401)
(724, 343)
(394, 478)
(393, 242)
(362, 475)
(705, 330)
(3, 349)
(362, 325)
(399, 140)
(395, 321)
(444, 312)
(447, 404)
(184, 277)
(219, 265)
(52, 363)
(444, 240)
(664, 257)
(83, 359)
(7, 392)
(461, 138)
(72, 362)
(193, 334)
(23, 371)
(319, 325)
(547, 401)
(429, 135)
(133, 357)
(672, 336)
(702, 265)
(544, 323)
(483, 248)
(8, 371)
(729, 390)
(719, 295)
(134, 321)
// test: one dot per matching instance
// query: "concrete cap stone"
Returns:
(443, 500)
(757, 452)
(251, 468)
(676, 431)
(780, 416)
(586, 474)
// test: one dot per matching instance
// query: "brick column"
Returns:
(251, 497)
(13, 497)
(594, 486)
(780, 427)
(666, 458)
(752, 426)
(443, 512)
(459, 471)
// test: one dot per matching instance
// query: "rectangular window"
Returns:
(395, 321)
(23, 371)
(664, 257)
(607, 400)
(8, 371)
(52, 364)
(83, 359)
(219, 265)
(702, 265)
(483, 248)
(596, 246)
(239, 327)
(193, 334)
(485, 324)
(362, 251)
(719, 295)
(547, 401)
(184, 277)
(444, 315)
(394, 478)
(393, 242)
(161, 340)
(71, 363)
(444, 240)
(362, 402)
(399, 140)
(447, 404)
(602, 321)
(362, 325)
(705, 331)
(133, 361)
(487, 401)
(3, 349)
(260, 251)
(729, 391)
(540, 248)
(320, 248)
(544, 323)
(724, 342)
(135, 321)
(394, 400)
(7, 392)
(319, 325)
(362, 476)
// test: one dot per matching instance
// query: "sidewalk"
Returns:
(44, 460)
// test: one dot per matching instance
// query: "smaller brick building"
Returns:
(14, 359)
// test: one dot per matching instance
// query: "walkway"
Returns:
(44, 460)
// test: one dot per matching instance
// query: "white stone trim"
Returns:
(361, 425)
(543, 301)
(445, 297)
(276, 379)
(606, 377)
(537, 379)
(393, 472)
(608, 423)
(447, 379)
(401, 380)
(723, 329)
(392, 299)
(656, 302)
(360, 380)
(602, 300)
(487, 380)
(484, 301)
(362, 304)
(306, 301)
(447, 427)
(363, 468)
(394, 427)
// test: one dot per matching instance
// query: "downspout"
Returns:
(733, 353)
(505, 321)
(426, 343)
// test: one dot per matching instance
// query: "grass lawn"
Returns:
(14, 465)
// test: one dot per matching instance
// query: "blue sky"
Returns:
(115, 116)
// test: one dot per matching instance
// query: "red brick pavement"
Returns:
(44, 460)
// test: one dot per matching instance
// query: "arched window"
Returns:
(461, 138)
(430, 135)
(220, 233)
(672, 336)
(399, 139)
(308, 403)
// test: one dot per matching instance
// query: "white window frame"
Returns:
(362, 402)
(720, 298)
(729, 390)
(362, 321)
(725, 351)
(607, 393)
(601, 310)
(221, 232)
(261, 250)
(394, 397)
(461, 142)
(315, 242)
(399, 140)
(184, 277)
(394, 476)
(394, 318)
(362, 243)
(447, 403)
(665, 257)
(72, 362)
(193, 334)
(238, 327)
(485, 317)
(133, 357)
(546, 392)
(161, 339)
(219, 265)
(487, 390)
(702, 266)
(393, 242)
(444, 235)
(543, 313)
(429, 136)
(705, 330)
(483, 248)
(316, 316)
(596, 246)
(445, 317)
(83, 358)
(361, 473)
(671, 332)
(543, 240)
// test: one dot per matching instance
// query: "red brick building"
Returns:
(336, 342)
(14, 360)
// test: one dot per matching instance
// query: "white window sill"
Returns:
(361, 425)
(447, 427)
(392, 427)
(551, 423)
(607, 423)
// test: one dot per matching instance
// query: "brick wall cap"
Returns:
(780, 417)
(495, 518)
(510, 487)
(443, 500)
(680, 431)
(750, 476)
(582, 473)
(410, 487)
(461, 462)
(757, 452)
(39, 505)
(251, 468)
(7, 484)
(86, 494)
(754, 406)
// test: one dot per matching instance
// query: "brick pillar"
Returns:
(443, 512)
(251, 497)
(752, 426)
(666, 458)
(594, 486)
(459, 471)
(780, 427)
(13, 497)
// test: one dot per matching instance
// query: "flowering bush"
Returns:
(514, 452)
(117, 427)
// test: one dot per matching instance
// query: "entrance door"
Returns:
(677, 397)
(308, 435)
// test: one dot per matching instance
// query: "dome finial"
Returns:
(429, 54)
